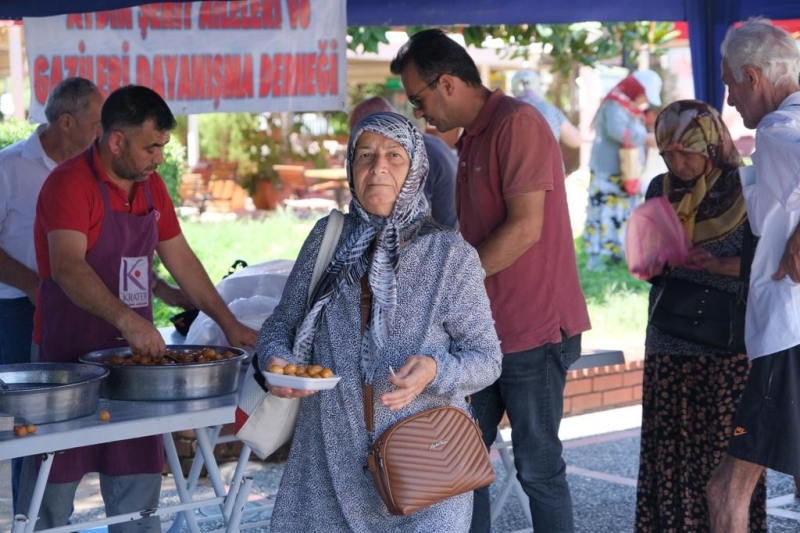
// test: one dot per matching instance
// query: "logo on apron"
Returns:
(134, 281)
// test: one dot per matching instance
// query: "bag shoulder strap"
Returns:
(332, 232)
(369, 389)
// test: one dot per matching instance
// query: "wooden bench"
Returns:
(305, 195)
(193, 191)
(331, 180)
(225, 195)
(293, 180)
(597, 358)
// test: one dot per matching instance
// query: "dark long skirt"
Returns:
(688, 406)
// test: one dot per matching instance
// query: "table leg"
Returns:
(238, 507)
(20, 523)
(511, 483)
(238, 475)
(236, 491)
(180, 484)
(207, 450)
(199, 460)
(194, 476)
(24, 523)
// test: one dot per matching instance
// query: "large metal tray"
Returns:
(168, 382)
(40, 393)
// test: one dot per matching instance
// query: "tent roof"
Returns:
(472, 12)
(422, 12)
(708, 19)
(481, 12)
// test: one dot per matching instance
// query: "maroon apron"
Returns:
(123, 258)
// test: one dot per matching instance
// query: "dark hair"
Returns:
(132, 106)
(70, 96)
(434, 53)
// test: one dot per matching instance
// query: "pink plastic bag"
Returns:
(655, 237)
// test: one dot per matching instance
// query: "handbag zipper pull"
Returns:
(377, 457)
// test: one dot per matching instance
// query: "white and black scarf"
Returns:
(352, 259)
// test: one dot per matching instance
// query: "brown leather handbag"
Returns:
(429, 457)
(425, 458)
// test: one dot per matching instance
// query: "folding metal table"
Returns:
(131, 420)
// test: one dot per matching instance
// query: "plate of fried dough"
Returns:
(311, 377)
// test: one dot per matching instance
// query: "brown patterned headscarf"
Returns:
(711, 206)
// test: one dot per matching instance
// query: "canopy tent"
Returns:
(708, 19)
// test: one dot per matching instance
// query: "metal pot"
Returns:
(41, 393)
(168, 382)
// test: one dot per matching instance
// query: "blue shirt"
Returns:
(440, 185)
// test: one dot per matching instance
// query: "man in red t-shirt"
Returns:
(100, 217)
(512, 207)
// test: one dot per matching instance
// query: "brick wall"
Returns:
(605, 387)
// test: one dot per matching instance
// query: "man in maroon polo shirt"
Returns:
(100, 218)
(512, 207)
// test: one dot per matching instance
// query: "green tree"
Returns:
(365, 39)
(14, 130)
(173, 167)
(222, 135)
(581, 43)
(566, 46)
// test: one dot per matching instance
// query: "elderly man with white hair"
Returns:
(760, 66)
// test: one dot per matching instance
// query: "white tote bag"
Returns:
(263, 421)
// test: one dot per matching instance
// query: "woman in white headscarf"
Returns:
(430, 320)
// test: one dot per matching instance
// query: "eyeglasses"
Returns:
(414, 100)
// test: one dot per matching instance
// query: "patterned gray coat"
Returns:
(442, 311)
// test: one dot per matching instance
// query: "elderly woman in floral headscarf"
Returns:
(621, 121)
(691, 391)
(430, 321)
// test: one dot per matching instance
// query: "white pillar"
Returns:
(644, 58)
(16, 68)
(192, 141)
(486, 74)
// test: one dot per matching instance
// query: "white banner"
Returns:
(202, 57)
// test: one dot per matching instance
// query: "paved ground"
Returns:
(601, 451)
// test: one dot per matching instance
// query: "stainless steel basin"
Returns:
(39, 393)
(168, 382)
